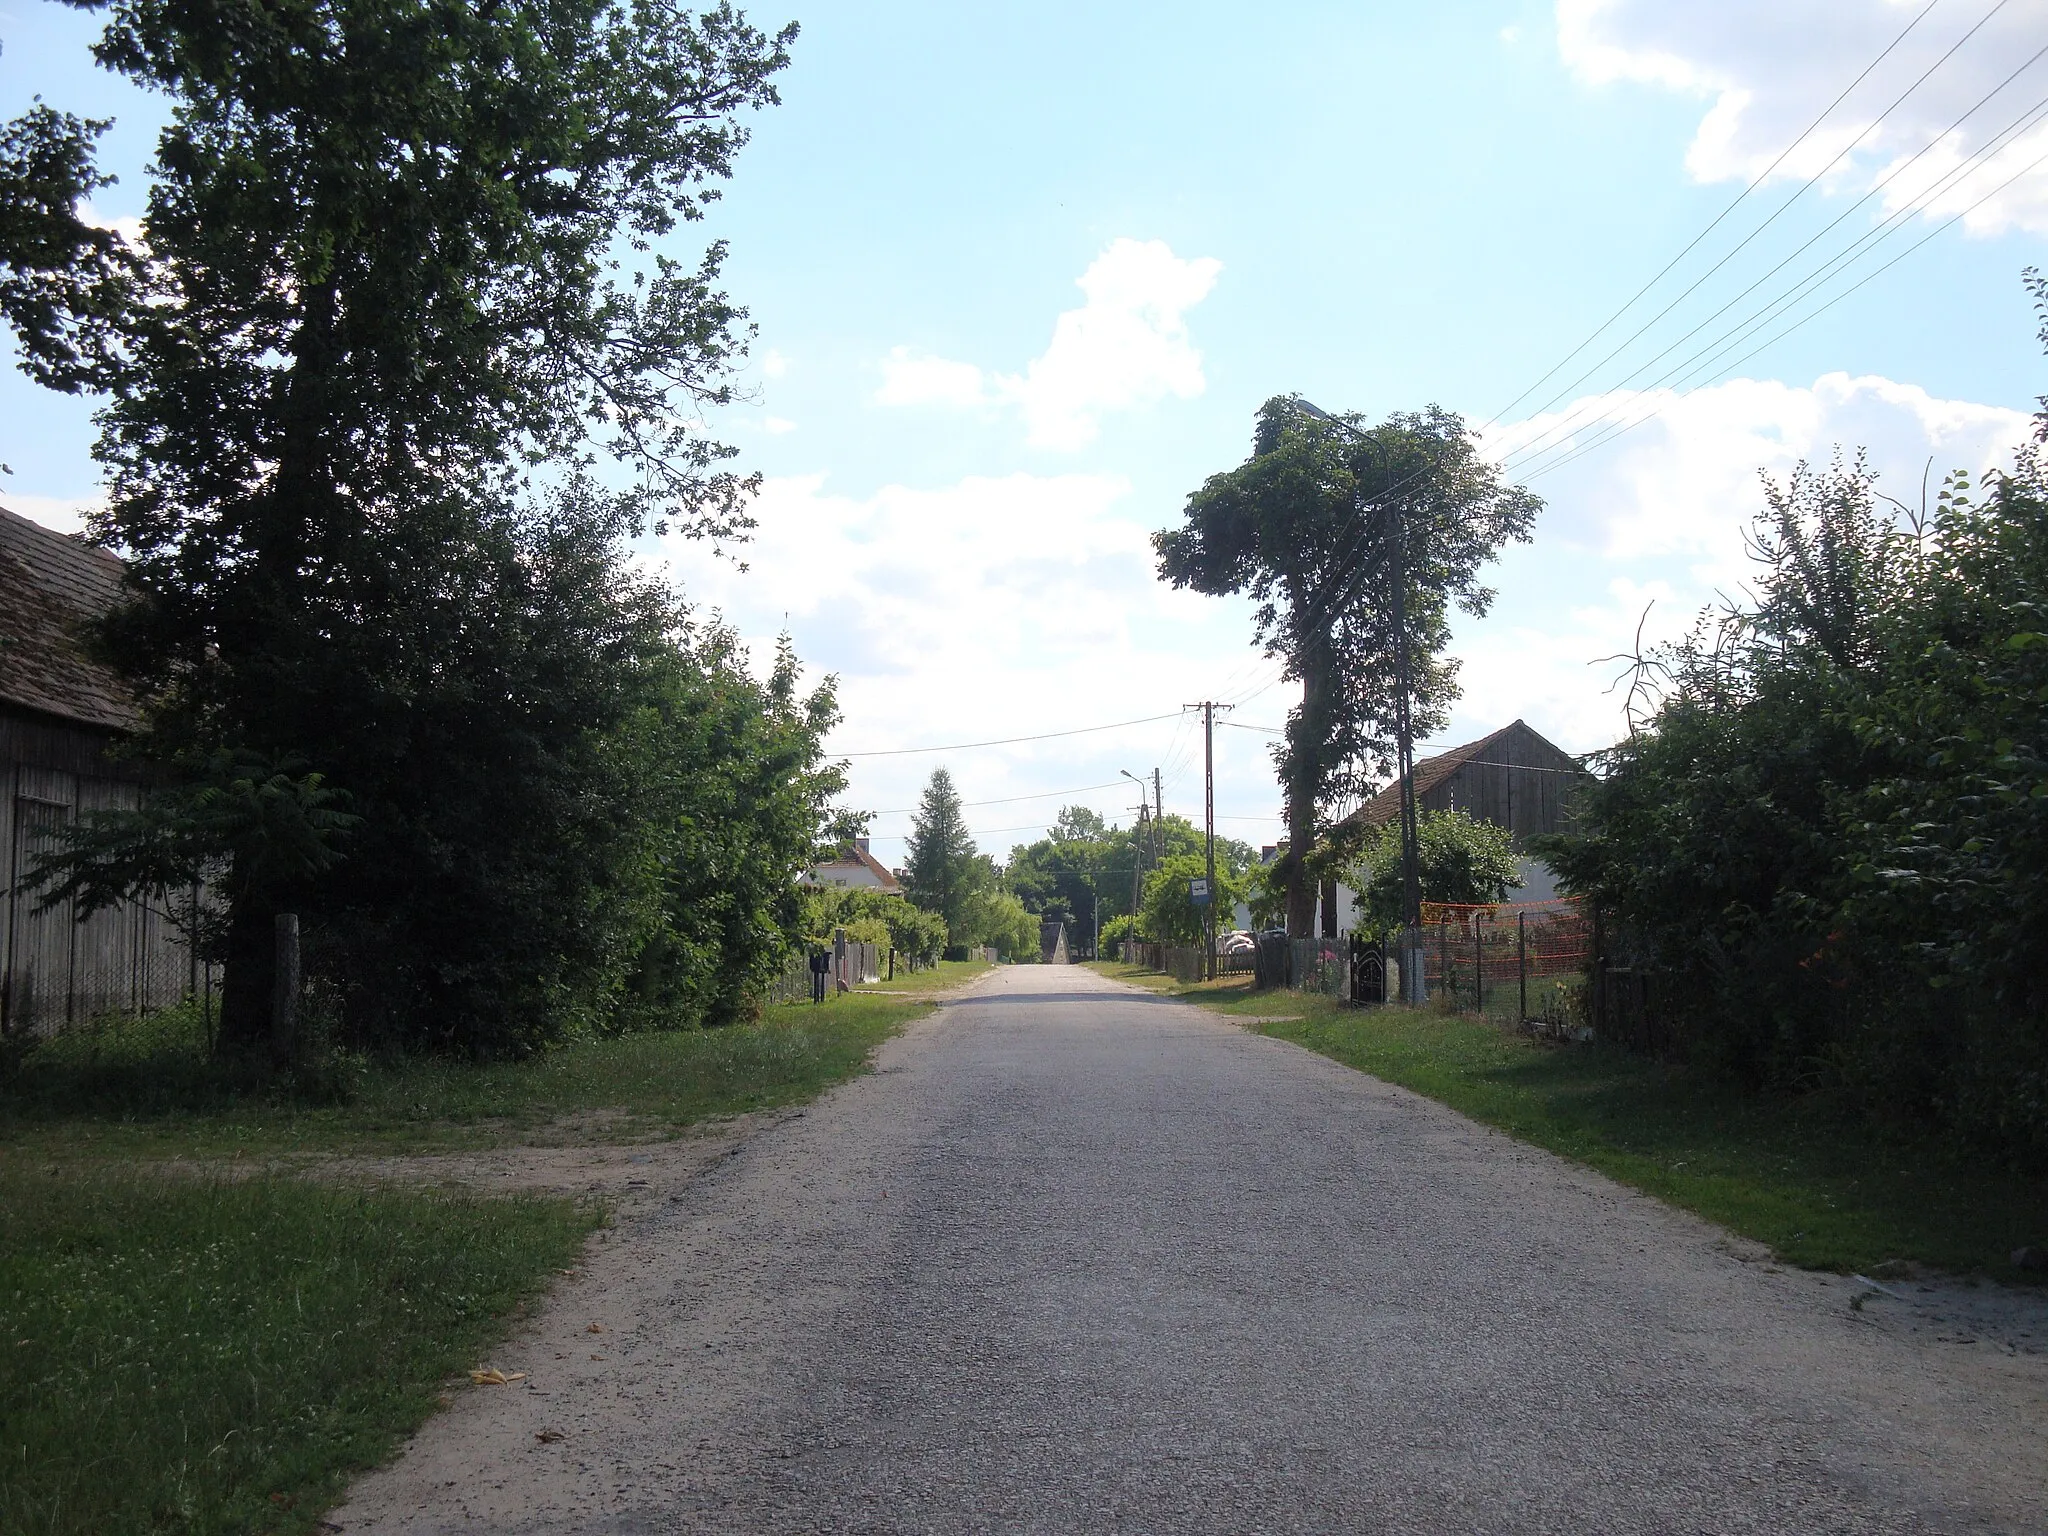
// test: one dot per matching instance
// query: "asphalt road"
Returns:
(1076, 1259)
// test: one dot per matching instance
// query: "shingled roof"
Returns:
(50, 584)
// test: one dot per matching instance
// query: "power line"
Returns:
(1008, 741)
(1047, 794)
(1611, 430)
(1693, 243)
(1804, 188)
(1358, 537)
(1529, 452)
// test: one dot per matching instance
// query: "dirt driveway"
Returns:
(1080, 1259)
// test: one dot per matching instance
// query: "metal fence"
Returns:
(1513, 961)
(1517, 962)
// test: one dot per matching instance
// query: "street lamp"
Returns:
(1134, 853)
(1412, 988)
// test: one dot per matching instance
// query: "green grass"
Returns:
(148, 1089)
(187, 1353)
(202, 1356)
(1818, 1189)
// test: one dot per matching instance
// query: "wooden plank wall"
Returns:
(1520, 781)
(56, 972)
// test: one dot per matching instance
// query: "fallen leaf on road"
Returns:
(493, 1377)
(595, 1328)
(547, 1436)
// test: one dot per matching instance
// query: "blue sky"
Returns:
(1377, 205)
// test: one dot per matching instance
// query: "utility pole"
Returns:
(1137, 831)
(1208, 707)
(1158, 821)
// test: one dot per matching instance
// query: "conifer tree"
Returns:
(941, 857)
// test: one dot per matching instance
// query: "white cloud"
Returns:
(1126, 346)
(773, 364)
(127, 226)
(1661, 513)
(1766, 68)
(778, 425)
(988, 608)
(1001, 606)
(908, 379)
(1683, 482)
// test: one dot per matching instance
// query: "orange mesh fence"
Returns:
(1488, 958)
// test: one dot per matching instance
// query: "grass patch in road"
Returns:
(1819, 1190)
(210, 1356)
(147, 1088)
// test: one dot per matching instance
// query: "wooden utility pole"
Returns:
(1208, 707)
(1138, 831)
(1158, 821)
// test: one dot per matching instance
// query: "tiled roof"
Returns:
(49, 584)
(1386, 805)
(852, 856)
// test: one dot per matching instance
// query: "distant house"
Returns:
(1514, 778)
(855, 869)
(61, 713)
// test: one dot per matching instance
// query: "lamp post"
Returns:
(1394, 537)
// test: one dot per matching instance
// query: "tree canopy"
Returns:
(941, 865)
(399, 363)
(1169, 914)
(1312, 526)
(1831, 832)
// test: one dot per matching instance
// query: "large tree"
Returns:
(943, 867)
(398, 278)
(1081, 869)
(1313, 525)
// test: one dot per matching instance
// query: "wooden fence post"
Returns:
(1522, 959)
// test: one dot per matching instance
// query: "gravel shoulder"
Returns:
(1078, 1258)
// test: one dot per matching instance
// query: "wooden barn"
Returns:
(1514, 778)
(60, 714)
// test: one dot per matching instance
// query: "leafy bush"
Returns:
(1458, 860)
(1169, 911)
(1115, 934)
(874, 918)
(1833, 832)
(996, 918)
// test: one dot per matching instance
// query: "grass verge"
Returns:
(209, 1356)
(1819, 1190)
(147, 1089)
(188, 1354)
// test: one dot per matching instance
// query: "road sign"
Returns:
(1198, 892)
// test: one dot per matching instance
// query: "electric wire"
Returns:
(1610, 436)
(1347, 590)
(1740, 197)
(1532, 450)
(1008, 741)
(1802, 190)
(1045, 794)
